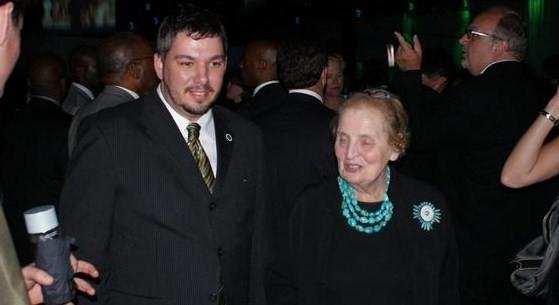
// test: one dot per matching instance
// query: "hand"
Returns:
(408, 57)
(35, 278)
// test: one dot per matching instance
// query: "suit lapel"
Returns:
(165, 135)
(225, 139)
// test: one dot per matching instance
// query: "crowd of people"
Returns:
(302, 192)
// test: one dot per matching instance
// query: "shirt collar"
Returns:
(496, 62)
(206, 121)
(307, 92)
(134, 94)
(46, 98)
(84, 89)
(263, 85)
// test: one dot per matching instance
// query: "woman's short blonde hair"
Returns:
(391, 108)
(335, 57)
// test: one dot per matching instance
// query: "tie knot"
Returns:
(193, 131)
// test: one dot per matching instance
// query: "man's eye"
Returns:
(186, 63)
(216, 64)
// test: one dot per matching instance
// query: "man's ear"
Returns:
(158, 65)
(500, 46)
(135, 70)
(5, 21)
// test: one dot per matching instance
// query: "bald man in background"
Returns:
(259, 71)
(126, 64)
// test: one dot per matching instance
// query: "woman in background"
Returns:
(333, 97)
(532, 160)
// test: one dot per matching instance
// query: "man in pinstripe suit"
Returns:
(136, 200)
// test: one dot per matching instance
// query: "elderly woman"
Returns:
(333, 97)
(371, 236)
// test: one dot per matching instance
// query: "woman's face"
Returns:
(362, 147)
(334, 79)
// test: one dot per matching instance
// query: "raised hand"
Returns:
(408, 57)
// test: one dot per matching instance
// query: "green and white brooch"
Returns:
(427, 215)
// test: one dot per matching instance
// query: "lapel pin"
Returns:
(228, 137)
(427, 215)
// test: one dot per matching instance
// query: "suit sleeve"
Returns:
(87, 201)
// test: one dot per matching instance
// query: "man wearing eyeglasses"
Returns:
(126, 61)
(486, 116)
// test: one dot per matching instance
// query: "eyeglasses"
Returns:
(471, 33)
(378, 93)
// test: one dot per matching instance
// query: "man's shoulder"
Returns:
(234, 120)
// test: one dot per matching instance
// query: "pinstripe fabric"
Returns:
(199, 154)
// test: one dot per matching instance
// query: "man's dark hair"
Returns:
(195, 22)
(300, 63)
(19, 7)
(116, 51)
(438, 62)
(512, 28)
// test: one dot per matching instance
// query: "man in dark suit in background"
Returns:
(126, 64)
(486, 117)
(34, 158)
(164, 194)
(85, 79)
(259, 71)
(297, 135)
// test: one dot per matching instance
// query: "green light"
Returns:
(411, 6)
(465, 4)
(535, 11)
(408, 26)
(465, 16)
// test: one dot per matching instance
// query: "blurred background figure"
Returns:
(438, 70)
(85, 79)
(533, 160)
(35, 156)
(234, 95)
(126, 64)
(333, 95)
(260, 73)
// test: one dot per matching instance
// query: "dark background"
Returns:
(357, 29)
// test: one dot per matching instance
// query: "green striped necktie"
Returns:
(199, 154)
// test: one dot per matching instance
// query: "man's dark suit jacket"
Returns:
(266, 101)
(75, 99)
(298, 152)
(430, 256)
(140, 211)
(111, 96)
(487, 116)
(33, 165)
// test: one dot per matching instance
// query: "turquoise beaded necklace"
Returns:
(359, 219)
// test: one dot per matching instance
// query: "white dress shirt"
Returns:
(207, 130)
(307, 92)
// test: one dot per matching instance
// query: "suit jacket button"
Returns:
(219, 252)
(212, 206)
